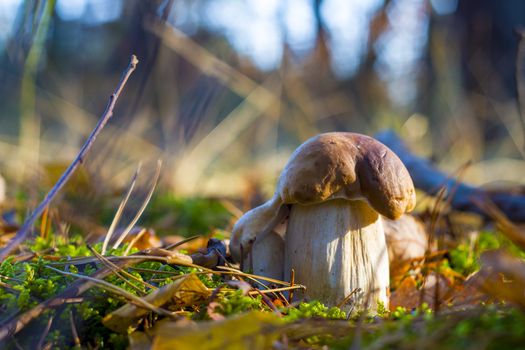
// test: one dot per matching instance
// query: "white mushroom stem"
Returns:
(337, 248)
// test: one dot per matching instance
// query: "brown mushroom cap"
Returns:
(349, 166)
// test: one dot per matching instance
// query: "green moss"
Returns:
(313, 309)
(464, 258)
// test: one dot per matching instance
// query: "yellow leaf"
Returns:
(253, 330)
(182, 292)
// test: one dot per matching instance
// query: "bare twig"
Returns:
(106, 116)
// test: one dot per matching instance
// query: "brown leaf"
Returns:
(148, 239)
(406, 295)
(435, 288)
(184, 291)
(503, 276)
(468, 293)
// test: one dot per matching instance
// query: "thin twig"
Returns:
(106, 116)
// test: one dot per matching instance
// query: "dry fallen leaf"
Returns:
(434, 288)
(406, 295)
(467, 293)
(184, 291)
(503, 276)
(145, 238)
(254, 330)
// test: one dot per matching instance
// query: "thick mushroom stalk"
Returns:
(344, 253)
(337, 185)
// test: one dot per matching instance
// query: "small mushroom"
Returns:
(335, 187)
(264, 256)
(406, 239)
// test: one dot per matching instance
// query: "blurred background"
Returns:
(226, 89)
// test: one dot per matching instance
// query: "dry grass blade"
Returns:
(120, 210)
(134, 241)
(142, 208)
(244, 274)
(119, 291)
(275, 290)
(108, 113)
(120, 272)
(184, 241)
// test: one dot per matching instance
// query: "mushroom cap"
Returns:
(348, 166)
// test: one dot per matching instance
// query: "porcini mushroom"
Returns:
(336, 185)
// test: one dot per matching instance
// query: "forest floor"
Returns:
(141, 297)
